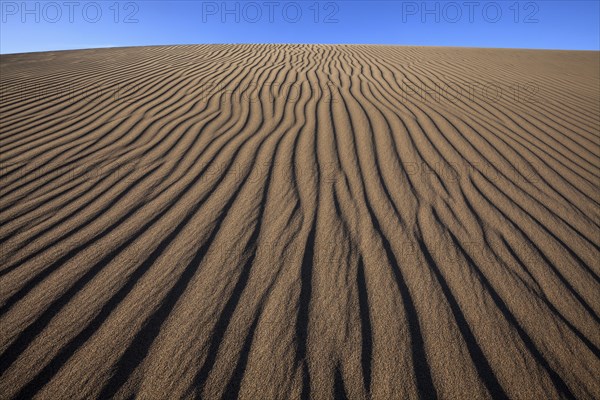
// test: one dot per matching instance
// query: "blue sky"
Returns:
(60, 25)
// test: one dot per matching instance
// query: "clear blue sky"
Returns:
(58, 25)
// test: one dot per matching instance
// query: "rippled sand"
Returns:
(300, 221)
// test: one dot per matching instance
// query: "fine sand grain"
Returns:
(300, 221)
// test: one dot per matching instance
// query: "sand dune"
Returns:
(295, 221)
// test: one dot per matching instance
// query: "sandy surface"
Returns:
(287, 221)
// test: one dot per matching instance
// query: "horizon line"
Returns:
(303, 44)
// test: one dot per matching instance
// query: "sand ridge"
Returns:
(300, 221)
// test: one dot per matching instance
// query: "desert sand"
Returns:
(300, 221)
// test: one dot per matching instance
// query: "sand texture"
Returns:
(300, 221)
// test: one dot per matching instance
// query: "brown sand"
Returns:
(288, 221)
